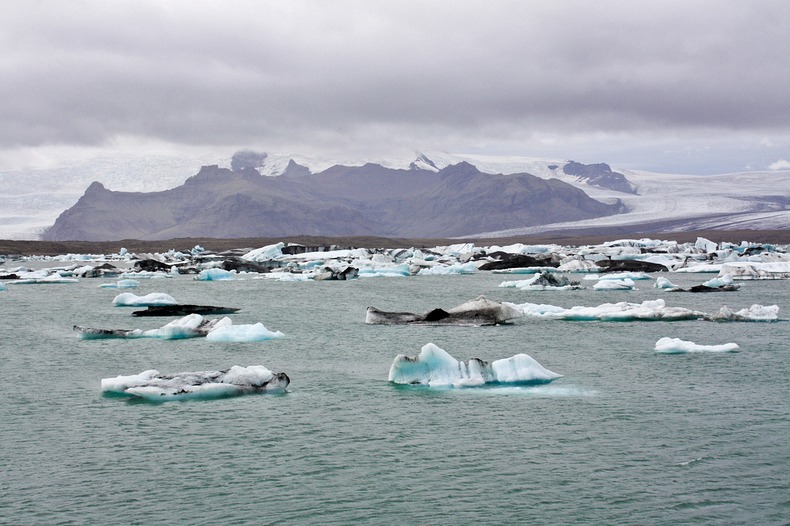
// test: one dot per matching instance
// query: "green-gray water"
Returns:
(626, 436)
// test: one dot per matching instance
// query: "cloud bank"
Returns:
(611, 78)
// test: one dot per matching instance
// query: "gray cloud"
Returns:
(370, 74)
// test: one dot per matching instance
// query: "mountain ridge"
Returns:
(339, 201)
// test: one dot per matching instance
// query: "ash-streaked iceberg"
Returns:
(154, 386)
(678, 346)
(191, 326)
(543, 281)
(477, 312)
(436, 368)
(128, 299)
(651, 310)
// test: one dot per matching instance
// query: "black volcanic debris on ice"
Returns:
(368, 200)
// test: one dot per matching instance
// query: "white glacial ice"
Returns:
(678, 346)
(243, 333)
(646, 311)
(615, 284)
(237, 380)
(128, 299)
(435, 367)
(664, 283)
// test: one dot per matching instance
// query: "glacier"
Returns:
(154, 386)
(678, 346)
(435, 367)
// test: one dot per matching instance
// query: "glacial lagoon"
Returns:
(626, 435)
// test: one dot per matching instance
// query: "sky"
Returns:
(666, 86)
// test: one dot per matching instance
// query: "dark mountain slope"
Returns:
(341, 201)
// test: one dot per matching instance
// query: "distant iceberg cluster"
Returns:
(435, 367)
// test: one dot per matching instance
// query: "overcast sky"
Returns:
(679, 86)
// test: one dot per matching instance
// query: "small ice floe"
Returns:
(615, 284)
(652, 310)
(753, 313)
(215, 274)
(665, 284)
(456, 268)
(436, 368)
(121, 284)
(128, 299)
(618, 276)
(243, 333)
(543, 281)
(154, 386)
(192, 326)
(678, 346)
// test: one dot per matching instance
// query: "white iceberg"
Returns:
(243, 333)
(615, 284)
(190, 326)
(128, 299)
(757, 270)
(678, 346)
(152, 385)
(651, 310)
(664, 283)
(215, 274)
(121, 284)
(724, 280)
(456, 268)
(435, 367)
(753, 313)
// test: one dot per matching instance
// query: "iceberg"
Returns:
(753, 313)
(651, 310)
(757, 270)
(457, 268)
(243, 333)
(121, 284)
(215, 274)
(678, 346)
(543, 281)
(664, 283)
(435, 367)
(615, 284)
(477, 312)
(191, 326)
(127, 299)
(154, 386)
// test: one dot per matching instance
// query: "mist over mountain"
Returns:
(457, 200)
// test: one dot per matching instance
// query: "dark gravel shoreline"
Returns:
(52, 248)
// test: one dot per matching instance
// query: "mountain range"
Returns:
(454, 201)
(637, 201)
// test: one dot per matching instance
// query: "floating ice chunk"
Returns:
(615, 284)
(153, 385)
(678, 346)
(399, 270)
(618, 276)
(543, 281)
(127, 299)
(3, 287)
(284, 276)
(664, 283)
(191, 326)
(267, 253)
(242, 333)
(721, 281)
(757, 270)
(753, 313)
(435, 367)
(121, 284)
(215, 274)
(457, 268)
(652, 310)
